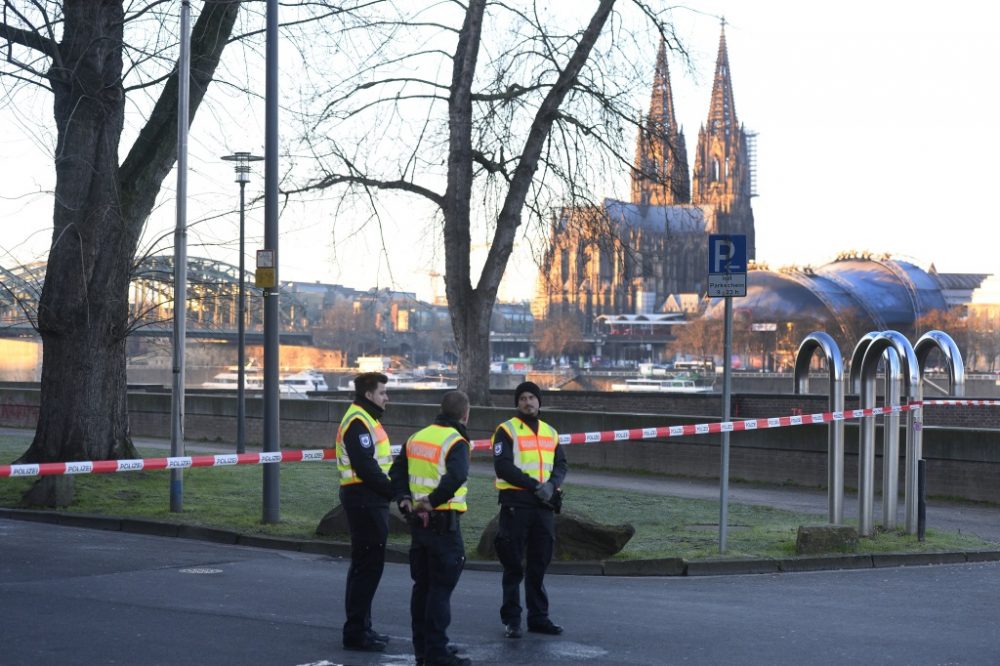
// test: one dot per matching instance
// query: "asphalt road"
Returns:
(79, 596)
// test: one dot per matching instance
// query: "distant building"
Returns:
(855, 293)
(640, 256)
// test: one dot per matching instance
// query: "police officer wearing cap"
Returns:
(429, 484)
(363, 460)
(530, 468)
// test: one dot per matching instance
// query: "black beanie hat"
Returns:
(527, 387)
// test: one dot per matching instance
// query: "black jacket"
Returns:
(503, 465)
(374, 486)
(456, 468)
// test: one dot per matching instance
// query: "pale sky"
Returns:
(875, 121)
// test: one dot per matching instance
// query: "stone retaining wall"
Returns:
(961, 461)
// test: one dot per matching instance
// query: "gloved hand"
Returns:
(405, 505)
(422, 505)
(544, 492)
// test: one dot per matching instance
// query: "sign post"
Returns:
(727, 277)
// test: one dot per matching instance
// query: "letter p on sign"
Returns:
(722, 253)
(727, 253)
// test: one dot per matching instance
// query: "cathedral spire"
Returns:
(661, 103)
(722, 112)
(660, 175)
(722, 165)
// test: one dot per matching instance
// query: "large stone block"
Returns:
(577, 538)
(816, 539)
(334, 523)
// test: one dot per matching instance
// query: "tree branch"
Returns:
(31, 39)
(509, 218)
(155, 150)
(513, 91)
(331, 180)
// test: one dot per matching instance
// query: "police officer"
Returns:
(530, 468)
(429, 484)
(363, 460)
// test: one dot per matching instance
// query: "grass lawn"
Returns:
(230, 498)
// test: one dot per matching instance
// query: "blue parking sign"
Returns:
(727, 265)
(727, 253)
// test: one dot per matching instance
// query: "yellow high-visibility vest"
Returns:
(533, 454)
(383, 452)
(426, 453)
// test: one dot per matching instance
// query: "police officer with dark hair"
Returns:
(429, 483)
(530, 468)
(363, 460)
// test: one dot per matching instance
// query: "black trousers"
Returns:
(525, 540)
(369, 527)
(437, 556)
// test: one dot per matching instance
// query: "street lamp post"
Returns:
(242, 167)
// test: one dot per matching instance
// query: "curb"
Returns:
(653, 567)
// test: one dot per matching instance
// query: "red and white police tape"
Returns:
(313, 455)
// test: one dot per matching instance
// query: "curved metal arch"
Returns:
(852, 292)
(17, 286)
(20, 291)
(219, 280)
(805, 281)
(943, 342)
(854, 380)
(820, 341)
(216, 279)
(909, 372)
(33, 272)
(907, 282)
(160, 268)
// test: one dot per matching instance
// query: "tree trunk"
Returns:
(98, 216)
(471, 308)
(83, 310)
(471, 323)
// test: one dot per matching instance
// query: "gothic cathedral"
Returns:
(636, 257)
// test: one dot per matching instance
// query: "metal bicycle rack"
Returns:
(953, 359)
(890, 430)
(835, 430)
(904, 364)
(956, 386)
(908, 370)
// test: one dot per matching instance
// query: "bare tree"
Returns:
(519, 116)
(700, 337)
(77, 51)
(558, 334)
(105, 64)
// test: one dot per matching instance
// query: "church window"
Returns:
(606, 266)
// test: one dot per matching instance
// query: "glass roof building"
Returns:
(855, 292)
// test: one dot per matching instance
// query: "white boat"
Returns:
(295, 385)
(408, 382)
(299, 384)
(253, 379)
(661, 386)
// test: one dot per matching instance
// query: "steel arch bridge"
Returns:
(212, 300)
